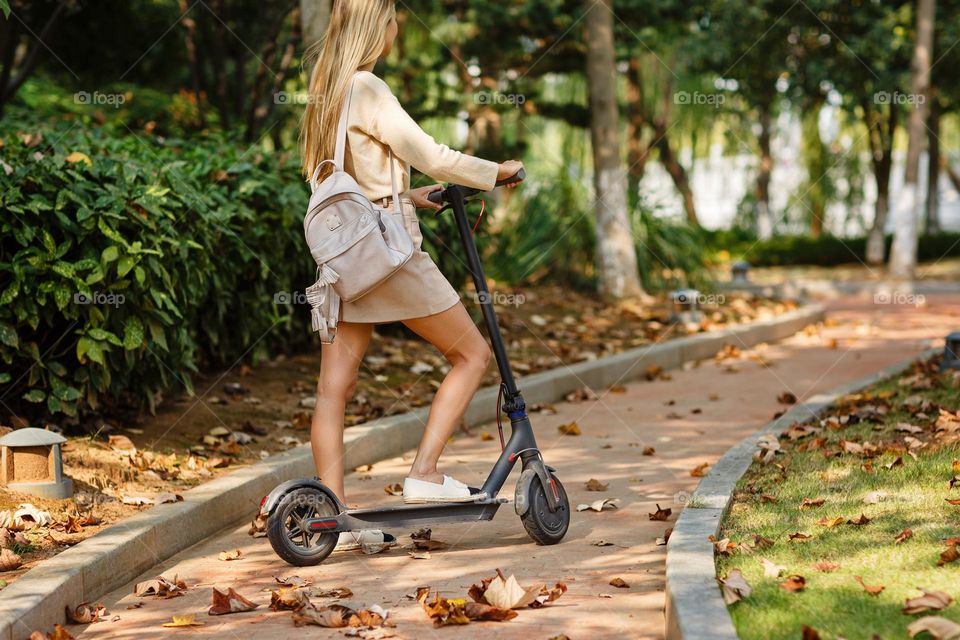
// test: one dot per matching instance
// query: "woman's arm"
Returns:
(393, 126)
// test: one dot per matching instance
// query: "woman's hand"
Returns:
(419, 197)
(509, 169)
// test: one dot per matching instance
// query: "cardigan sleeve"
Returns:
(389, 123)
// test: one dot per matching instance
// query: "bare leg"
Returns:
(339, 366)
(459, 340)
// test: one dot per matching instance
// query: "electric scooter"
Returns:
(304, 517)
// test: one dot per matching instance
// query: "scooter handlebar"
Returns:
(440, 195)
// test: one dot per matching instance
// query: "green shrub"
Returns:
(126, 268)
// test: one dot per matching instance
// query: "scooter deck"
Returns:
(407, 515)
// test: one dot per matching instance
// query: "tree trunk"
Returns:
(638, 153)
(933, 169)
(32, 59)
(616, 252)
(668, 159)
(190, 42)
(881, 158)
(764, 222)
(903, 255)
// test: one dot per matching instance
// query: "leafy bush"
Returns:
(126, 262)
(826, 251)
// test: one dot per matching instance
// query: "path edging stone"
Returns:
(118, 554)
(695, 609)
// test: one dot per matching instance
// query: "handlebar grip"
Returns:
(437, 196)
(519, 176)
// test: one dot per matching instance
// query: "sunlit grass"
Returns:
(834, 603)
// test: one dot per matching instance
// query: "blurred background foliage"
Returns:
(149, 149)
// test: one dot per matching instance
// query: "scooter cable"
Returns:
(500, 417)
(483, 206)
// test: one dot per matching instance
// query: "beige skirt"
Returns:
(416, 290)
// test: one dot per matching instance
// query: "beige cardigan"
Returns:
(377, 121)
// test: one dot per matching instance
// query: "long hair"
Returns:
(355, 38)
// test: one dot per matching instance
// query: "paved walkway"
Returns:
(690, 419)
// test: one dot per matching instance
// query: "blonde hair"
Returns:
(355, 38)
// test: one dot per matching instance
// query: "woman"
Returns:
(360, 32)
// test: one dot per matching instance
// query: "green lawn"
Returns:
(833, 603)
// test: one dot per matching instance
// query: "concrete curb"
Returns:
(695, 609)
(118, 554)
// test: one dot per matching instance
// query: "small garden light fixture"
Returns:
(685, 306)
(30, 462)
(741, 272)
(951, 352)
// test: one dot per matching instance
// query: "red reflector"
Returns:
(263, 502)
(322, 524)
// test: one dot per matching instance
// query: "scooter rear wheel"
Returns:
(289, 536)
(544, 526)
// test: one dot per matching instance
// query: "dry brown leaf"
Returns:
(787, 398)
(619, 583)
(766, 498)
(830, 522)
(825, 566)
(508, 594)
(395, 489)
(649, 451)
(160, 587)
(904, 535)
(950, 554)
(665, 538)
(929, 601)
(84, 613)
(572, 429)
(288, 599)
(700, 470)
(799, 536)
(794, 583)
(229, 602)
(872, 590)
(937, 627)
(596, 485)
(735, 587)
(9, 560)
(862, 520)
(660, 514)
(809, 503)
(233, 554)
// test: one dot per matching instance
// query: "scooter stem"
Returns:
(458, 204)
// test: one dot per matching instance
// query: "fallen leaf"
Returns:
(825, 566)
(904, 535)
(160, 587)
(293, 581)
(735, 587)
(929, 601)
(9, 560)
(78, 156)
(665, 538)
(700, 470)
(938, 627)
(649, 451)
(809, 503)
(872, 590)
(184, 621)
(596, 485)
(862, 520)
(332, 616)
(234, 554)
(599, 505)
(771, 569)
(787, 398)
(799, 536)
(508, 594)
(288, 599)
(395, 489)
(794, 583)
(602, 543)
(660, 514)
(572, 429)
(83, 613)
(619, 583)
(766, 498)
(950, 554)
(229, 602)
(830, 522)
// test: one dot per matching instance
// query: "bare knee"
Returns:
(336, 388)
(475, 357)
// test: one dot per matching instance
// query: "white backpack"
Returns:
(356, 244)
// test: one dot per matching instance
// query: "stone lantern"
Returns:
(741, 272)
(684, 306)
(30, 461)
(951, 353)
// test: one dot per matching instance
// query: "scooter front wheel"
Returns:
(543, 525)
(289, 534)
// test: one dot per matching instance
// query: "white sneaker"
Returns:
(421, 491)
(352, 540)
